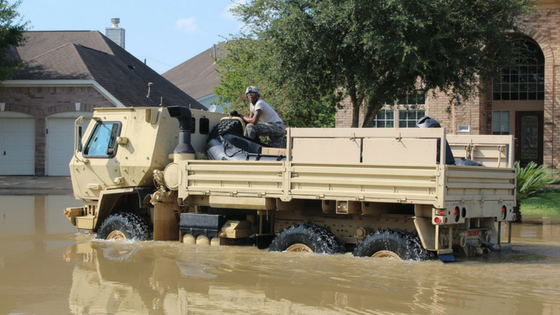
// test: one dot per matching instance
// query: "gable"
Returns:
(89, 55)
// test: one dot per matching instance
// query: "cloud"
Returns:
(227, 14)
(186, 25)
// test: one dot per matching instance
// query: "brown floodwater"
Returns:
(47, 268)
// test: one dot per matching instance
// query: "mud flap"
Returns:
(165, 223)
(502, 248)
(491, 247)
(505, 248)
(446, 258)
(264, 240)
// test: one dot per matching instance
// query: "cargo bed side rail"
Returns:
(488, 150)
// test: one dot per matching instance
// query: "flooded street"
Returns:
(47, 268)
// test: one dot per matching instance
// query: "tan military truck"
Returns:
(189, 175)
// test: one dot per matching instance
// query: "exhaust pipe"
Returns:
(184, 150)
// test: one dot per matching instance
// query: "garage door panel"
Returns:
(60, 145)
(17, 146)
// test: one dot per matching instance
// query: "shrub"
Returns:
(533, 178)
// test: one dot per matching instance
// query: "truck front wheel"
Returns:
(306, 237)
(124, 226)
(393, 244)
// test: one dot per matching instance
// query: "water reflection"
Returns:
(537, 229)
(33, 237)
(172, 278)
(34, 215)
(46, 268)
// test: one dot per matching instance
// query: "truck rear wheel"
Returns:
(124, 226)
(392, 244)
(308, 238)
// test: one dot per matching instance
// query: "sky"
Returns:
(164, 33)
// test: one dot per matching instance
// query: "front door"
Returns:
(529, 137)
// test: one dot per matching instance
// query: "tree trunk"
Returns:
(357, 96)
(355, 115)
(355, 108)
(372, 110)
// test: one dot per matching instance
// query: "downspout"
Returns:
(553, 105)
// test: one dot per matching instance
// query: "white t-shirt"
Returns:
(268, 114)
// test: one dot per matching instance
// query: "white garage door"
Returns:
(17, 146)
(60, 142)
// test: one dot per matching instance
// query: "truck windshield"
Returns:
(102, 142)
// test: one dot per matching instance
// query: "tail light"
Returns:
(439, 220)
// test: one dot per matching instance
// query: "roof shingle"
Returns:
(198, 76)
(89, 55)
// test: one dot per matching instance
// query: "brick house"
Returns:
(68, 74)
(202, 76)
(525, 103)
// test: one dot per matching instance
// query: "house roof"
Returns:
(198, 76)
(89, 55)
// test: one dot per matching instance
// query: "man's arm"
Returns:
(253, 118)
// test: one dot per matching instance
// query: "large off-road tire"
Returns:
(518, 215)
(124, 226)
(226, 126)
(306, 238)
(392, 243)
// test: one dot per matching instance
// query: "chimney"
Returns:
(115, 33)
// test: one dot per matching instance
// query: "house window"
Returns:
(408, 117)
(384, 119)
(103, 140)
(411, 108)
(525, 81)
(500, 122)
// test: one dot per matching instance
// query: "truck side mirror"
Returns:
(79, 131)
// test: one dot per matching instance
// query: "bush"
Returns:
(533, 178)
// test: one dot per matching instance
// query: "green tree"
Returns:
(245, 64)
(11, 34)
(373, 51)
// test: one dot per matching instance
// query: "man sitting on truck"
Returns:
(263, 120)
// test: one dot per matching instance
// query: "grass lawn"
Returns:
(542, 204)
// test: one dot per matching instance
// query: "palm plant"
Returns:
(530, 179)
